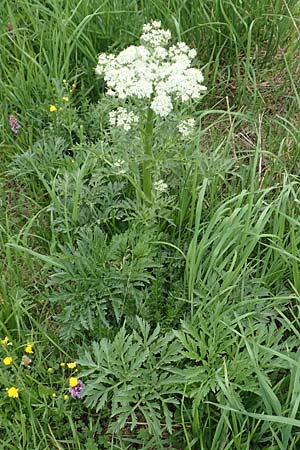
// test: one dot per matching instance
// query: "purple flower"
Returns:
(14, 124)
(77, 390)
(26, 361)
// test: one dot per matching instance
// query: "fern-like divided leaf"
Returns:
(102, 281)
(132, 375)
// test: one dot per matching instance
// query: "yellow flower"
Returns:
(65, 99)
(73, 381)
(71, 365)
(13, 392)
(50, 370)
(52, 108)
(5, 341)
(29, 348)
(53, 395)
(66, 397)
(62, 364)
(7, 361)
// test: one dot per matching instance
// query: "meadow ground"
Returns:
(149, 280)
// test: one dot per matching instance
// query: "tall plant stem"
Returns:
(147, 163)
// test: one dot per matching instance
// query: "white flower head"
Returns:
(111, 93)
(103, 61)
(152, 71)
(127, 56)
(192, 53)
(160, 186)
(160, 53)
(162, 105)
(154, 35)
(186, 127)
(120, 117)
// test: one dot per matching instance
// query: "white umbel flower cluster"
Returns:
(119, 167)
(154, 35)
(122, 118)
(186, 127)
(152, 71)
(160, 187)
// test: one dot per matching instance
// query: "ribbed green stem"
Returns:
(147, 164)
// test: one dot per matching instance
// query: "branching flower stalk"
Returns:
(147, 164)
(153, 76)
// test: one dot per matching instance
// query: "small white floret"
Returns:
(160, 186)
(162, 105)
(186, 127)
(122, 118)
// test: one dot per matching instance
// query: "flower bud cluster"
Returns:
(122, 118)
(186, 127)
(160, 187)
(119, 167)
(152, 71)
(14, 124)
(154, 35)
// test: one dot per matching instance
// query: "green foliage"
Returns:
(132, 375)
(230, 365)
(43, 401)
(100, 281)
(47, 156)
